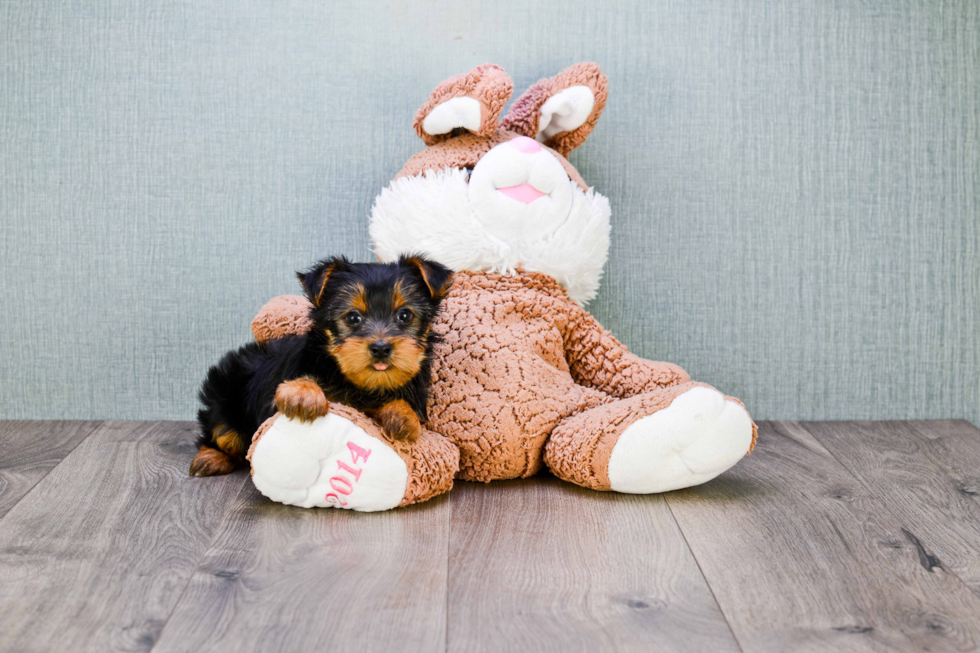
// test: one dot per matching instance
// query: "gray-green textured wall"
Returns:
(794, 184)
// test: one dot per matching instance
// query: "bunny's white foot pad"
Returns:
(330, 462)
(691, 441)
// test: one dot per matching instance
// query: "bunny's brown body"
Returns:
(523, 376)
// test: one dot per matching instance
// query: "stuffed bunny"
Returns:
(522, 376)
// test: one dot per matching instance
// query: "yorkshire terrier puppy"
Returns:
(369, 348)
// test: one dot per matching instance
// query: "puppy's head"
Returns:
(376, 317)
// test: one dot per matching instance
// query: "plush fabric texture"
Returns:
(522, 375)
(465, 151)
(677, 445)
(501, 381)
(433, 214)
(487, 84)
(579, 449)
(282, 315)
(430, 463)
(524, 116)
(455, 113)
(286, 315)
(508, 345)
(267, 424)
(330, 461)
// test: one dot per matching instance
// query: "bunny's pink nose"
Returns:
(526, 145)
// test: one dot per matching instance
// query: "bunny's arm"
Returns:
(282, 316)
(597, 360)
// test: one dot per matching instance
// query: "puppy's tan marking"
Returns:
(358, 299)
(356, 362)
(211, 462)
(397, 297)
(398, 420)
(227, 440)
(301, 399)
(318, 299)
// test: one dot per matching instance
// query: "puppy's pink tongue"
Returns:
(381, 367)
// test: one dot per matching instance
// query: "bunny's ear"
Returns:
(561, 111)
(472, 102)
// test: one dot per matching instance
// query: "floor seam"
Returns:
(204, 553)
(703, 575)
(449, 549)
(96, 427)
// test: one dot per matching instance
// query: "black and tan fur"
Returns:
(369, 348)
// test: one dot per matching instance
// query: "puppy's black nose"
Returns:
(380, 349)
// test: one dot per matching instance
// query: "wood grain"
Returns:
(955, 446)
(96, 556)
(928, 473)
(801, 556)
(279, 578)
(830, 536)
(541, 565)
(29, 450)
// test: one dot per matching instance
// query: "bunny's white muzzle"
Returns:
(519, 191)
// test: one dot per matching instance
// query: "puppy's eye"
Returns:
(352, 319)
(404, 316)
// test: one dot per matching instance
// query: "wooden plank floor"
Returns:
(838, 536)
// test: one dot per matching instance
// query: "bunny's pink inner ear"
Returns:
(561, 111)
(472, 101)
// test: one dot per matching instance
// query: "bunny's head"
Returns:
(493, 195)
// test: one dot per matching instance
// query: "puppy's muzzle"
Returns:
(380, 351)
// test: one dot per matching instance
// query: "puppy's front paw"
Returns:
(301, 399)
(399, 421)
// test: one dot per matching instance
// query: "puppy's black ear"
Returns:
(315, 279)
(437, 277)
